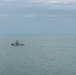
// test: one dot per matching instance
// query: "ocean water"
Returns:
(41, 55)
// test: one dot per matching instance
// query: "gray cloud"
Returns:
(46, 3)
(37, 8)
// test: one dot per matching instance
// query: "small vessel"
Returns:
(17, 44)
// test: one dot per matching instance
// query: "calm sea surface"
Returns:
(41, 55)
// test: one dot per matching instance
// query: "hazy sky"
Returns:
(37, 16)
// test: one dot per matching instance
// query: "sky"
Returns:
(37, 17)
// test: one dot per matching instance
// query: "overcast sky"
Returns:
(37, 16)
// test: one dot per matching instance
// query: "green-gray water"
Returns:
(41, 55)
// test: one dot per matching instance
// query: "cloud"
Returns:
(11, 0)
(43, 15)
(36, 8)
(60, 1)
(29, 15)
(41, 1)
(38, 15)
(4, 15)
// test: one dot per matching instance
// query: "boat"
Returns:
(17, 44)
